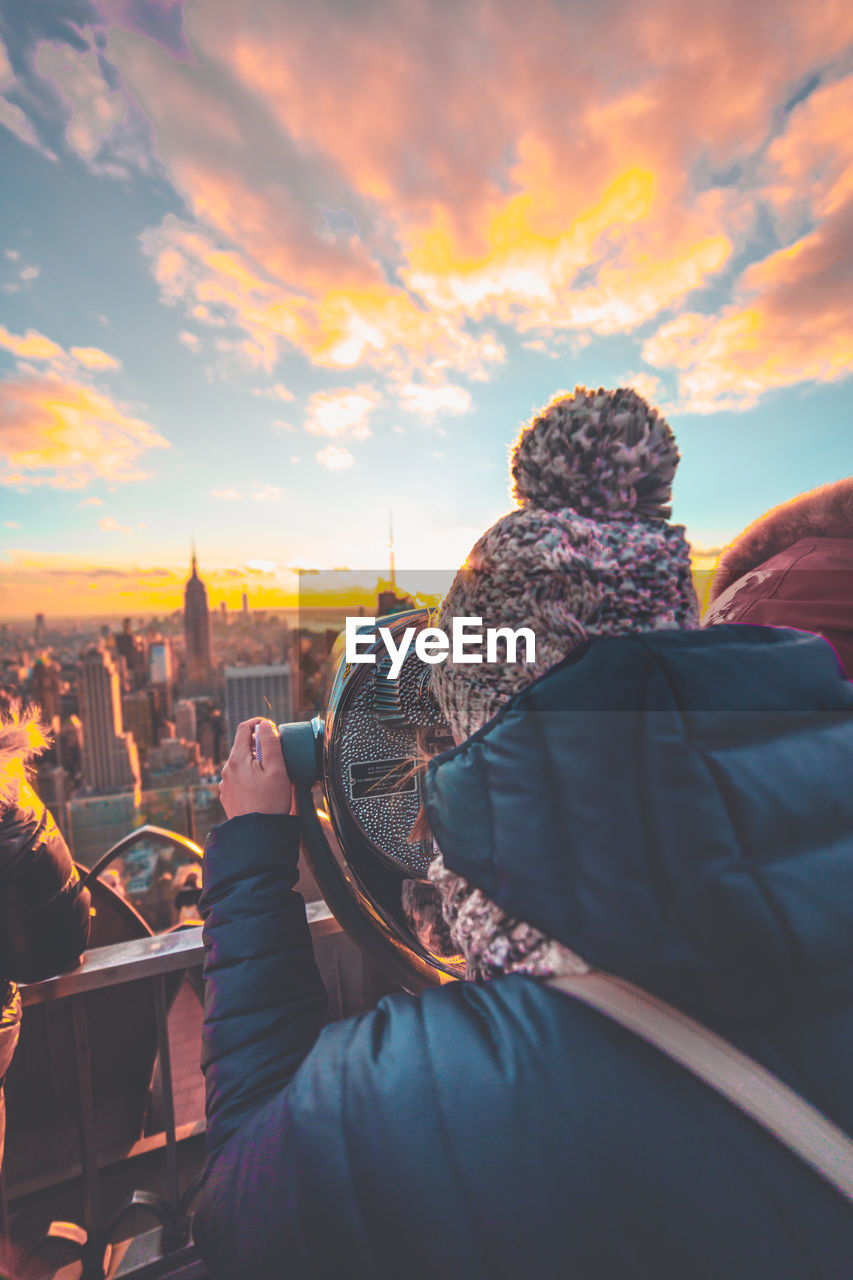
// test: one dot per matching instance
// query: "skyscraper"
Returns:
(185, 720)
(44, 682)
(257, 691)
(136, 713)
(197, 632)
(110, 758)
(160, 662)
(132, 649)
(160, 678)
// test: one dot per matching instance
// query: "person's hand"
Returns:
(249, 787)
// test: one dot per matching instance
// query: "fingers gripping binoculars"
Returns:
(357, 774)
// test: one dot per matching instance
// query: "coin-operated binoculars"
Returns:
(357, 775)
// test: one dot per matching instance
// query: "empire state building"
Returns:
(197, 632)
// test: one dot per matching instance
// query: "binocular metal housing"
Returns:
(356, 773)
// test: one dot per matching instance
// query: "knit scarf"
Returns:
(492, 942)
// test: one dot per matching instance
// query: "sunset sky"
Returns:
(270, 269)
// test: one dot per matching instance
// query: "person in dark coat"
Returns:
(643, 798)
(44, 917)
(793, 567)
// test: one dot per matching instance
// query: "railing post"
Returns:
(88, 1152)
(146, 960)
(162, 1017)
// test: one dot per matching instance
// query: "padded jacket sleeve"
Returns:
(265, 1003)
(44, 916)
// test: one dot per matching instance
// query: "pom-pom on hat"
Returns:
(588, 552)
(605, 454)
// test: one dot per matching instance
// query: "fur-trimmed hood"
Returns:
(826, 512)
(22, 738)
(44, 914)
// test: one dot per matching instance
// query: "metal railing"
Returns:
(152, 960)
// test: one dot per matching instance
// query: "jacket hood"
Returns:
(676, 808)
(807, 585)
(826, 512)
(22, 738)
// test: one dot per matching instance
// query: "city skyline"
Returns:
(139, 715)
(270, 271)
(314, 592)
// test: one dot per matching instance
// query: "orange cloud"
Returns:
(30, 346)
(35, 346)
(190, 340)
(427, 401)
(334, 458)
(792, 320)
(255, 493)
(809, 167)
(110, 525)
(94, 358)
(796, 327)
(60, 433)
(12, 117)
(95, 109)
(475, 176)
(640, 252)
(649, 386)
(337, 327)
(277, 392)
(341, 413)
(425, 111)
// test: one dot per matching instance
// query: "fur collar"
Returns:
(22, 737)
(826, 512)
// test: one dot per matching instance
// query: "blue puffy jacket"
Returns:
(678, 808)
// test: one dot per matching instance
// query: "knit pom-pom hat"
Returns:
(588, 552)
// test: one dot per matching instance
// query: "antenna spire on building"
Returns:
(197, 631)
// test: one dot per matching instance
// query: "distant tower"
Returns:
(185, 720)
(160, 662)
(257, 691)
(45, 687)
(392, 574)
(40, 629)
(110, 759)
(137, 715)
(388, 602)
(132, 649)
(197, 631)
(244, 604)
(160, 678)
